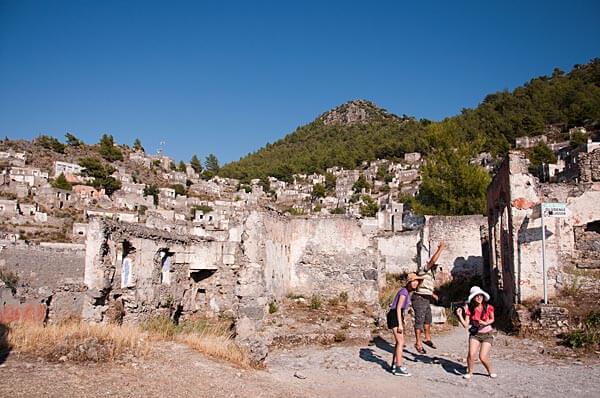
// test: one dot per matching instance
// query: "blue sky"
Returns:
(227, 77)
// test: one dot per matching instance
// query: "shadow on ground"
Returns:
(369, 355)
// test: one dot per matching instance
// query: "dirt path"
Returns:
(363, 371)
(342, 371)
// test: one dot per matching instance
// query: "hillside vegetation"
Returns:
(360, 131)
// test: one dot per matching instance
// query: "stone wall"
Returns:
(462, 256)
(324, 256)
(400, 252)
(44, 266)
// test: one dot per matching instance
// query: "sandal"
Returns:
(493, 375)
(467, 376)
(420, 350)
(430, 344)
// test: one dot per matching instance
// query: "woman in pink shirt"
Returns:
(478, 316)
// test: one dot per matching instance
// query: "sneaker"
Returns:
(467, 376)
(400, 371)
(493, 375)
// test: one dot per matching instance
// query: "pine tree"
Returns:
(61, 182)
(196, 165)
(211, 164)
(137, 145)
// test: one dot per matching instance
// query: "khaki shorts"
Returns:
(483, 337)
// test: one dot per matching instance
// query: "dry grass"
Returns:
(77, 341)
(213, 338)
(393, 283)
(82, 342)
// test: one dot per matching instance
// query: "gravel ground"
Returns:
(363, 371)
(340, 371)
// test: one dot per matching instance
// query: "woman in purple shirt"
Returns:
(396, 321)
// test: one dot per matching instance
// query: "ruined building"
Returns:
(515, 235)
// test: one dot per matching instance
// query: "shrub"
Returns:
(588, 334)
(51, 143)
(369, 208)
(344, 297)
(315, 302)
(338, 210)
(273, 308)
(334, 301)
(10, 279)
(61, 182)
(339, 336)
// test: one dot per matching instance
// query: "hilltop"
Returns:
(360, 131)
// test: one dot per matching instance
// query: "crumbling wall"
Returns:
(462, 256)
(324, 256)
(399, 252)
(515, 228)
(144, 272)
(44, 266)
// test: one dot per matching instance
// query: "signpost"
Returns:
(554, 210)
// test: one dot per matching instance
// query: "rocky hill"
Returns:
(360, 131)
(356, 111)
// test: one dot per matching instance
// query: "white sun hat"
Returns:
(476, 290)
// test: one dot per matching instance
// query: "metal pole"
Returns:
(544, 256)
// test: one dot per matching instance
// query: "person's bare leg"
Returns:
(427, 332)
(418, 343)
(484, 357)
(399, 336)
(472, 355)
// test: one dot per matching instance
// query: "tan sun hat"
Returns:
(413, 277)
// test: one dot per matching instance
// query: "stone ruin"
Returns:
(514, 270)
(129, 272)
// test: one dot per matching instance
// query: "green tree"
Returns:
(101, 173)
(540, 154)
(179, 189)
(61, 182)
(137, 145)
(109, 184)
(152, 190)
(577, 139)
(51, 143)
(318, 191)
(451, 185)
(361, 183)
(93, 167)
(369, 208)
(72, 140)
(108, 150)
(182, 167)
(196, 165)
(211, 164)
(173, 166)
(330, 182)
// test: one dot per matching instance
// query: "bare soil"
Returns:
(524, 367)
